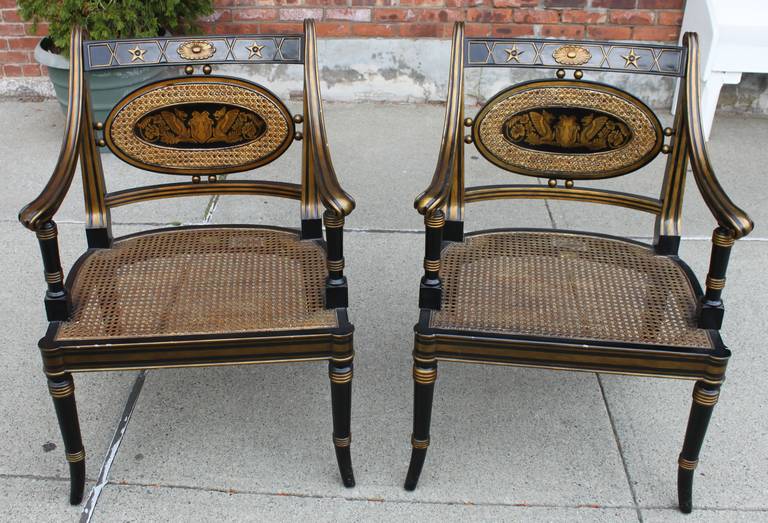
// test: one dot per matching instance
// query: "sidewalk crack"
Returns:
(620, 448)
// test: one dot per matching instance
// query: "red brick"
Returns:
(354, 15)
(489, 15)
(374, 30)
(669, 17)
(423, 3)
(467, 3)
(334, 29)
(11, 70)
(562, 31)
(325, 2)
(12, 30)
(439, 15)
(11, 15)
(254, 13)
(510, 31)
(31, 70)
(299, 13)
(565, 3)
(236, 28)
(394, 15)
(515, 3)
(370, 3)
(615, 4)
(536, 16)
(575, 16)
(631, 17)
(610, 32)
(29, 42)
(281, 27)
(425, 30)
(661, 33)
(477, 30)
(15, 57)
(661, 4)
(7, 3)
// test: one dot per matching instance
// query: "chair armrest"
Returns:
(42, 209)
(727, 214)
(436, 194)
(332, 195)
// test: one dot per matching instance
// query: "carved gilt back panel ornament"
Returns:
(199, 125)
(567, 129)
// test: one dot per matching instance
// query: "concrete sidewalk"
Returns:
(254, 442)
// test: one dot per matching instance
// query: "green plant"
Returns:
(110, 19)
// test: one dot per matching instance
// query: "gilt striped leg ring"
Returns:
(75, 457)
(61, 389)
(342, 442)
(687, 464)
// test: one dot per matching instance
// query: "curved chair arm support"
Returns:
(434, 197)
(42, 209)
(332, 195)
(727, 214)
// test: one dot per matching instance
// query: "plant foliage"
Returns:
(111, 19)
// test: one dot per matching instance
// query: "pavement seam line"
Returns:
(36, 477)
(89, 508)
(620, 448)
(232, 491)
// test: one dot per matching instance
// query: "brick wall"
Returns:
(657, 20)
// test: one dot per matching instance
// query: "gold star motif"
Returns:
(254, 50)
(513, 53)
(137, 53)
(632, 59)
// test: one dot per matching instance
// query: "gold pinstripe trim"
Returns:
(722, 240)
(424, 376)
(342, 442)
(333, 220)
(172, 190)
(74, 457)
(62, 392)
(49, 233)
(705, 398)
(498, 192)
(432, 265)
(687, 464)
(715, 283)
(340, 378)
(335, 265)
(54, 277)
(435, 220)
(419, 443)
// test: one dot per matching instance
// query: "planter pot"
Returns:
(107, 87)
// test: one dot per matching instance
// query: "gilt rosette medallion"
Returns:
(575, 130)
(194, 125)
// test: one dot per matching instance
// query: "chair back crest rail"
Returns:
(565, 130)
(200, 125)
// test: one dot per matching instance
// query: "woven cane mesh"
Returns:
(567, 286)
(200, 281)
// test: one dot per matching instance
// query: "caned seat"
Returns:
(199, 281)
(568, 286)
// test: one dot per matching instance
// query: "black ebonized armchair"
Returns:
(198, 295)
(569, 300)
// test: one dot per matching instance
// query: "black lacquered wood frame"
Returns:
(318, 193)
(443, 202)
